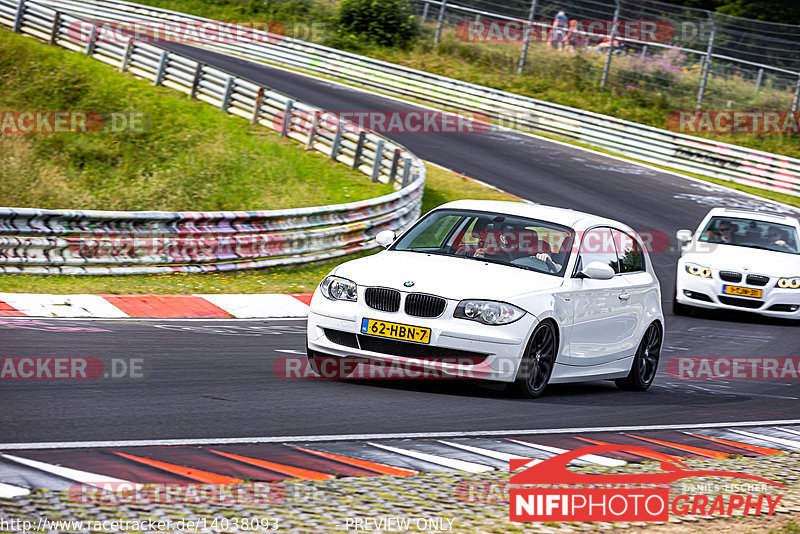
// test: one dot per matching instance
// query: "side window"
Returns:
(630, 253)
(598, 245)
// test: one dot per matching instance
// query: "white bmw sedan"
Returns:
(740, 260)
(500, 291)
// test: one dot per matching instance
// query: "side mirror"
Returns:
(385, 238)
(598, 270)
(684, 236)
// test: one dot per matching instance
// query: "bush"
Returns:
(382, 22)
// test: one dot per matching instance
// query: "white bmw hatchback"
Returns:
(740, 260)
(501, 291)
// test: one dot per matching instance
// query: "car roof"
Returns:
(577, 220)
(741, 213)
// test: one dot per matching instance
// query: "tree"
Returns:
(383, 22)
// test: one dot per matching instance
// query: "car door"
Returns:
(603, 318)
(645, 296)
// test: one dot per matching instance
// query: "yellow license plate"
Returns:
(742, 291)
(395, 331)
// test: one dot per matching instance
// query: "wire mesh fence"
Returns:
(699, 58)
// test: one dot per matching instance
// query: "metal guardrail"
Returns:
(645, 143)
(118, 242)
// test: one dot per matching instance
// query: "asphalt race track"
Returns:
(206, 379)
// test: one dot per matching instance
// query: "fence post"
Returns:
(287, 117)
(337, 140)
(395, 163)
(526, 37)
(759, 79)
(126, 56)
(257, 106)
(425, 12)
(376, 167)
(313, 132)
(406, 171)
(707, 64)
(644, 51)
(55, 27)
(611, 35)
(162, 65)
(439, 22)
(796, 95)
(359, 149)
(18, 18)
(198, 71)
(92, 41)
(226, 94)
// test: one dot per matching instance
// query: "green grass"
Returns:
(191, 156)
(442, 186)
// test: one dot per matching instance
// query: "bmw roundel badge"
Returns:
(410, 283)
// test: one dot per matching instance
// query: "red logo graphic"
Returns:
(620, 504)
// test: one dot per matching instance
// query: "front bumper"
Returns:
(690, 290)
(470, 350)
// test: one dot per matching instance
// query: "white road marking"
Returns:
(586, 458)
(84, 477)
(497, 455)
(452, 463)
(365, 437)
(7, 491)
(780, 441)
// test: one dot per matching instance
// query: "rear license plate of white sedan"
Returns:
(742, 291)
(404, 332)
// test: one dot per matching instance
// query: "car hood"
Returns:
(446, 276)
(744, 259)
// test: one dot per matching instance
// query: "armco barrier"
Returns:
(114, 242)
(653, 145)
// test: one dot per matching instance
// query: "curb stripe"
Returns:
(586, 458)
(6, 310)
(188, 472)
(660, 456)
(708, 453)
(383, 469)
(754, 448)
(84, 477)
(305, 298)
(459, 465)
(166, 306)
(294, 472)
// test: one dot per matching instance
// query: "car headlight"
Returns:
(698, 270)
(338, 288)
(488, 312)
(789, 283)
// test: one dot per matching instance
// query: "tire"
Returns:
(677, 307)
(537, 363)
(645, 362)
(330, 367)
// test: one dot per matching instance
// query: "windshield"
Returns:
(491, 237)
(751, 233)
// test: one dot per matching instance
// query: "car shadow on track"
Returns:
(598, 393)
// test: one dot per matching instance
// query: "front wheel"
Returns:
(537, 364)
(645, 362)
